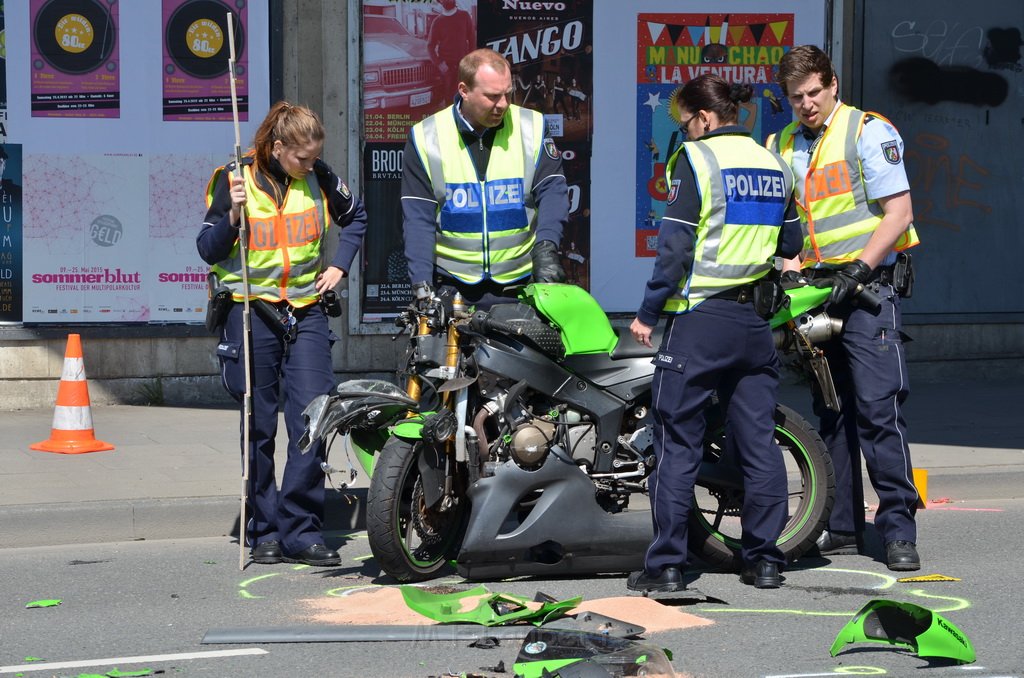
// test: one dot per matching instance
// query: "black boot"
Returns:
(763, 575)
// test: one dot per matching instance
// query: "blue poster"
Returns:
(672, 49)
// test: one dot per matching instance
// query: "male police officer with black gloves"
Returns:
(484, 200)
(855, 206)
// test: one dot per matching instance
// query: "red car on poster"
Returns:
(397, 71)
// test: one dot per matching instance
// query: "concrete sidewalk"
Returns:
(175, 472)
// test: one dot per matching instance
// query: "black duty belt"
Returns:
(743, 294)
(882, 275)
(281, 316)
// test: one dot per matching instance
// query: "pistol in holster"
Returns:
(903, 275)
(331, 303)
(769, 296)
(219, 304)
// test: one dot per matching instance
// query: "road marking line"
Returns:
(144, 659)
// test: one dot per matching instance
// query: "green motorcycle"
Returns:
(521, 439)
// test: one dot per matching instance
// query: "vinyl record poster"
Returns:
(75, 65)
(197, 51)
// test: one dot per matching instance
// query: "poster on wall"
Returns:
(10, 233)
(673, 42)
(196, 56)
(85, 257)
(672, 49)
(176, 276)
(3, 77)
(411, 55)
(411, 52)
(550, 48)
(111, 208)
(75, 60)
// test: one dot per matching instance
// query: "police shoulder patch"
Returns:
(343, 189)
(551, 149)
(891, 151)
(673, 192)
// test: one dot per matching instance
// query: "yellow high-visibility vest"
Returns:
(744, 191)
(285, 244)
(838, 216)
(485, 229)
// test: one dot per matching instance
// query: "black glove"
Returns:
(791, 279)
(547, 265)
(422, 293)
(846, 280)
(323, 172)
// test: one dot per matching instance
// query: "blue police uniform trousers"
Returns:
(721, 346)
(293, 514)
(869, 369)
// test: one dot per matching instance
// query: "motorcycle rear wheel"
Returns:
(714, 527)
(409, 541)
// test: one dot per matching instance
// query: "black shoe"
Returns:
(901, 556)
(837, 544)
(763, 575)
(317, 554)
(267, 553)
(669, 581)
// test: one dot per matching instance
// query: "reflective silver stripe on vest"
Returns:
(473, 244)
(863, 207)
(433, 153)
(528, 133)
(529, 136)
(707, 266)
(511, 266)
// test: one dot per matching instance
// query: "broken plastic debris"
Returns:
(925, 632)
(44, 603)
(491, 609)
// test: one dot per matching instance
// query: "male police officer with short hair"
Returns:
(484, 200)
(854, 201)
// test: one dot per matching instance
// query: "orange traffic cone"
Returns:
(71, 432)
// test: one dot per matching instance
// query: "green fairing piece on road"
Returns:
(925, 632)
(492, 610)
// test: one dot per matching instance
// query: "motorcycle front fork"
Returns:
(455, 450)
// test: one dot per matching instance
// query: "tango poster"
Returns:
(672, 49)
(411, 52)
(75, 62)
(197, 45)
(551, 49)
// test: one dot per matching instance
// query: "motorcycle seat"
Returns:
(628, 347)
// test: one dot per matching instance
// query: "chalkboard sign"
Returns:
(949, 75)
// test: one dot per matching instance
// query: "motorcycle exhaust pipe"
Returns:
(818, 328)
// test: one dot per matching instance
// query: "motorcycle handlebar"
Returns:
(867, 299)
(482, 322)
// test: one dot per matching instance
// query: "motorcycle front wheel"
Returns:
(410, 541)
(714, 528)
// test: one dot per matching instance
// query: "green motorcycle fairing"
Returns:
(585, 327)
(489, 609)
(902, 624)
(801, 300)
(365, 445)
(582, 322)
(410, 428)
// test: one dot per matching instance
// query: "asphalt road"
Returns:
(158, 599)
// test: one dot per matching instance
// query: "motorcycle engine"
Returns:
(531, 441)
